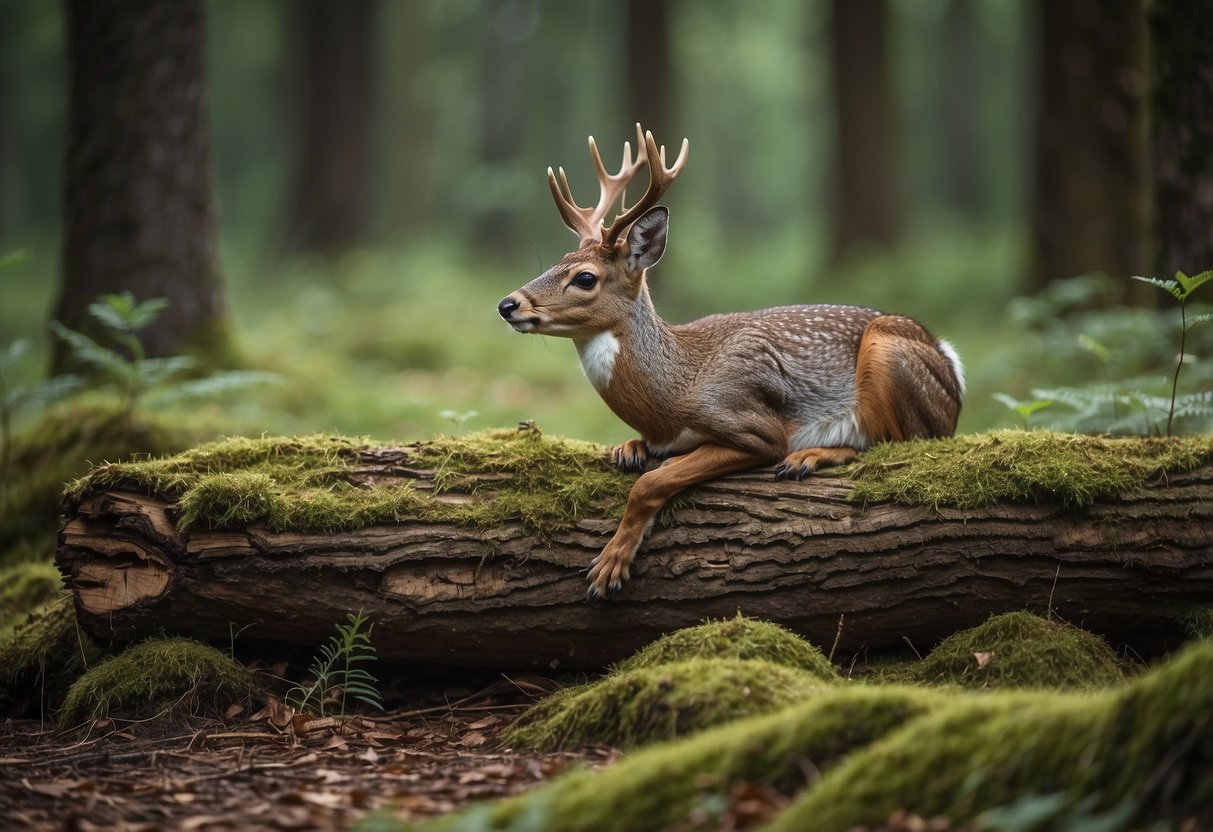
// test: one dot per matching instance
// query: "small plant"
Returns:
(1024, 408)
(1181, 288)
(458, 419)
(137, 377)
(336, 674)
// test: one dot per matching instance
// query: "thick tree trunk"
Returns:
(139, 212)
(1090, 200)
(648, 67)
(796, 553)
(868, 205)
(1182, 132)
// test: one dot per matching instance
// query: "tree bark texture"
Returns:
(798, 554)
(332, 42)
(1090, 186)
(139, 210)
(1182, 132)
(868, 191)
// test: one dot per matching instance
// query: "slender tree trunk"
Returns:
(959, 108)
(1090, 201)
(139, 211)
(330, 196)
(1182, 133)
(648, 67)
(868, 200)
(799, 554)
(409, 149)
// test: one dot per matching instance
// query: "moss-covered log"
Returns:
(471, 551)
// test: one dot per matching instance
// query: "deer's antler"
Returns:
(587, 223)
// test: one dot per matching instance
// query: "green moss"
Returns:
(665, 785)
(1148, 743)
(154, 676)
(735, 638)
(27, 585)
(647, 704)
(314, 482)
(60, 447)
(40, 656)
(1021, 650)
(978, 470)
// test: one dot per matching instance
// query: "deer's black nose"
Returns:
(507, 306)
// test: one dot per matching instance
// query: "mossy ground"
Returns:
(155, 676)
(976, 470)
(735, 638)
(310, 483)
(1020, 650)
(41, 653)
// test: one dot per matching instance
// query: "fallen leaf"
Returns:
(983, 659)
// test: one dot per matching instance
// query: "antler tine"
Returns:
(587, 223)
(660, 179)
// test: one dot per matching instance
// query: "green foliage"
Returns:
(154, 677)
(1018, 650)
(40, 656)
(131, 374)
(336, 674)
(1024, 408)
(1181, 288)
(26, 586)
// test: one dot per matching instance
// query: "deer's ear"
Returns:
(646, 239)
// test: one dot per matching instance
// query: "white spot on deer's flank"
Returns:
(597, 356)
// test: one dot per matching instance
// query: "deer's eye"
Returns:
(584, 280)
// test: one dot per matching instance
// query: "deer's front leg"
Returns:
(631, 456)
(610, 569)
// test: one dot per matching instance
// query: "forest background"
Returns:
(997, 169)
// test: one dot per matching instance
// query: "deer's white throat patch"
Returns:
(597, 356)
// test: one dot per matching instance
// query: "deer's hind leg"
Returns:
(799, 464)
(905, 387)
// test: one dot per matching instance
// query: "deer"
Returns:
(799, 387)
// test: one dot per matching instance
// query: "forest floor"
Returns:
(267, 771)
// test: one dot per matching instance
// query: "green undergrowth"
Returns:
(40, 655)
(1020, 650)
(734, 638)
(648, 704)
(25, 586)
(976, 470)
(315, 482)
(59, 447)
(158, 676)
(1147, 745)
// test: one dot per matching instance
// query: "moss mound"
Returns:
(1147, 745)
(667, 785)
(978, 470)
(647, 704)
(1018, 649)
(26, 586)
(42, 655)
(735, 638)
(60, 447)
(315, 482)
(153, 676)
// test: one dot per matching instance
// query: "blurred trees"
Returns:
(331, 50)
(647, 41)
(1182, 135)
(138, 208)
(867, 204)
(1090, 195)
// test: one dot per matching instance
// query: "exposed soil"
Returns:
(272, 770)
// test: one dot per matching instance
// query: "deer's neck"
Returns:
(638, 369)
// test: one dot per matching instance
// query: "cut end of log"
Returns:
(117, 583)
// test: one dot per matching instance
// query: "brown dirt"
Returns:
(272, 770)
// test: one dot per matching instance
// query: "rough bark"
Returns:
(796, 553)
(1182, 132)
(139, 211)
(1090, 199)
(868, 202)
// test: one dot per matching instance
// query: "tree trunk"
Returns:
(648, 67)
(1090, 206)
(331, 180)
(960, 105)
(796, 553)
(1182, 133)
(139, 212)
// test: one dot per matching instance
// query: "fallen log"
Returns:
(470, 552)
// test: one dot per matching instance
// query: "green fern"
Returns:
(336, 676)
